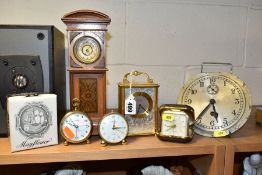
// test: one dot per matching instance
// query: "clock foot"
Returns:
(88, 141)
(103, 143)
(66, 143)
(124, 142)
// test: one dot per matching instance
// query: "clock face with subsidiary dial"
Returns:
(221, 101)
(113, 128)
(87, 49)
(76, 127)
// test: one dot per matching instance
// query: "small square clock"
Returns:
(175, 123)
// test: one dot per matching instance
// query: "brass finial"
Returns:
(76, 103)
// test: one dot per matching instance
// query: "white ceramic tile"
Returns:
(170, 80)
(184, 34)
(50, 12)
(256, 3)
(253, 79)
(209, 2)
(254, 39)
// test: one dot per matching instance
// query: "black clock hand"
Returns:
(214, 112)
(73, 123)
(211, 102)
(119, 127)
(170, 126)
(76, 133)
(114, 123)
(140, 106)
(203, 112)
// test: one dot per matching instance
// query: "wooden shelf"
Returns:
(221, 150)
(137, 147)
(247, 139)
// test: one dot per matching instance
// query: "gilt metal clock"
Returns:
(87, 65)
(76, 126)
(113, 128)
(145, 94)
(221, 101)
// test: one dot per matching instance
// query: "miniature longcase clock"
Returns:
(142, 97)
(86, 65)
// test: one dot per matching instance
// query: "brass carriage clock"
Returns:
(143, 98)
(86, 65)
(76, 126)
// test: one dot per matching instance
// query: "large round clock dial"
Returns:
(87, 49)
(221, 101)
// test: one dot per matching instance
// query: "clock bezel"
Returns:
(74, 41)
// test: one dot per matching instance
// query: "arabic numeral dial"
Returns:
(220, 100)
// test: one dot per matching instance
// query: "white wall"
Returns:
(168, 39)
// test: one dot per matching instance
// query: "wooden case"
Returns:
(90, 89)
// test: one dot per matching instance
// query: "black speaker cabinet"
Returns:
(20, 74)
(20, 48)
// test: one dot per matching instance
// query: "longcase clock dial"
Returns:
(87, 49)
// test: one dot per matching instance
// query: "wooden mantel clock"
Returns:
(86, 65)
